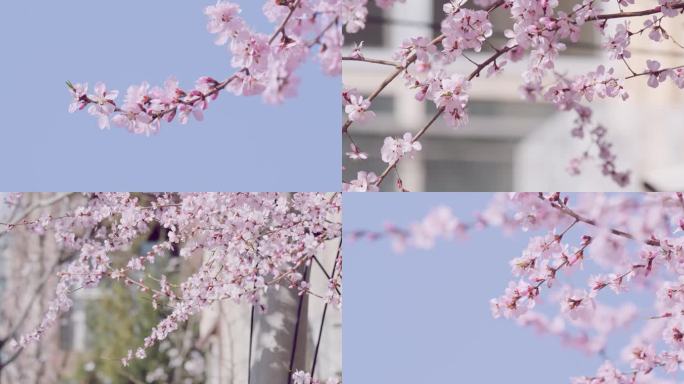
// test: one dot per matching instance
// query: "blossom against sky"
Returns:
(442, 292)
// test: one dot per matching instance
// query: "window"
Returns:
(383, 104)
(463, 164)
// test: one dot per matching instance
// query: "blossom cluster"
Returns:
(394, 149)
(541, 31)
(356, 106)
(264, 65)
(463, 29)
(577, 278)
(450, 94)
(244, 243)
(364, 182)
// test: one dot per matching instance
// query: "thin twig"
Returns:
(296, 330)
(620, 15)
(325, 310)
(568, 211)
(372, 61)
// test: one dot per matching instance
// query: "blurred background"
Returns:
(511, 144)
(105, 322)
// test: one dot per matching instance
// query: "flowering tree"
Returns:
(263, 65)
(540, 33)
(621, 244)
(244, 244)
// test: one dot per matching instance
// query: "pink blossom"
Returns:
(618, 43)
(103, 104)
(356, 153)
(450, 94)
(356, 53)
(656, 32)
(365, 182)
(668, 7)
(578, 305)
(656, 76)
(358, 109)
(464, 29)
(394, 149)
(420, 46)
(79, 95)
(224, 21)
(250, 51)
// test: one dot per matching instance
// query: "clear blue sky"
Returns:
(243, 144)
(423, 316)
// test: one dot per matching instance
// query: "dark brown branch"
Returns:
(620, 15)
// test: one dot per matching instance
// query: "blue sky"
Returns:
(243, 144)
(424, 317)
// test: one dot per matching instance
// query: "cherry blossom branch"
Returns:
(294, 226)
(633, 374)
(567, 262)
(547, 260)
(389, 79)
(281, 27)
(621, 15)
(372, 61)
(318, 38)
(34, 296)
(409, 60)
(419, 134)
(20, 219)
(655, 73)
(557, 203)
(465, 29)
(265, 65)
